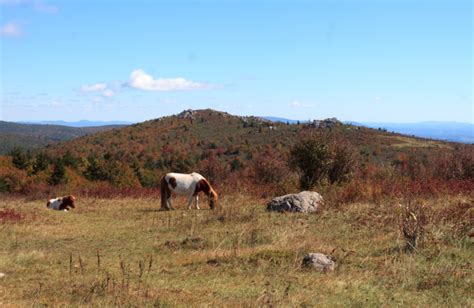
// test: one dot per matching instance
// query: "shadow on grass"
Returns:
(150, 210)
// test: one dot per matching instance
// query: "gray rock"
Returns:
(319, 262)
(304, 202)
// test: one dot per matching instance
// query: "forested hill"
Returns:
(34, 136)
(181, 141)
(245, 151)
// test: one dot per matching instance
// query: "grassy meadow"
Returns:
(126, 252)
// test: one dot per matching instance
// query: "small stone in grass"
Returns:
(319, 261)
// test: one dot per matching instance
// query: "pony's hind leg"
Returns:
(170, 206)
(190, 202)
(165, 205)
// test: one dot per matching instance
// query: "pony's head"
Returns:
(69, 200)
(213, 197)
(204, 186)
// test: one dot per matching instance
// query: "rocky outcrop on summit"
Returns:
(186, 114)
(326, 123)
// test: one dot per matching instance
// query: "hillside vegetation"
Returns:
(206, 131)
(241, 153)
(35, 136)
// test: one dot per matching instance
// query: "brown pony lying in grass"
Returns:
(61, 203)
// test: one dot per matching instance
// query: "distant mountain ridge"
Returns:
(81, 123)
(449, 131)
(34, 136)
(281, 120)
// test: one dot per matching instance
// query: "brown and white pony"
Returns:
(61, 203)
(189, 185)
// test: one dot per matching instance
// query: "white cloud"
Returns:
(38, 5)
(108, 93)
(98, 87)
(11, 30)
(377, 98)
(299, 104)
(45, 8)
(93, 87)
(139, 79)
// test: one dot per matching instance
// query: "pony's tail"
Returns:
(165, 194)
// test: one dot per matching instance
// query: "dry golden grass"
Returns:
(126, 252)
(418, 143)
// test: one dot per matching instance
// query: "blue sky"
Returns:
(378, 60)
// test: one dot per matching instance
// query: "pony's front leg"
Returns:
(190, 202)
(197, 202)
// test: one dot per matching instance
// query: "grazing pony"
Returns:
(188, 185)
(61, 203)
